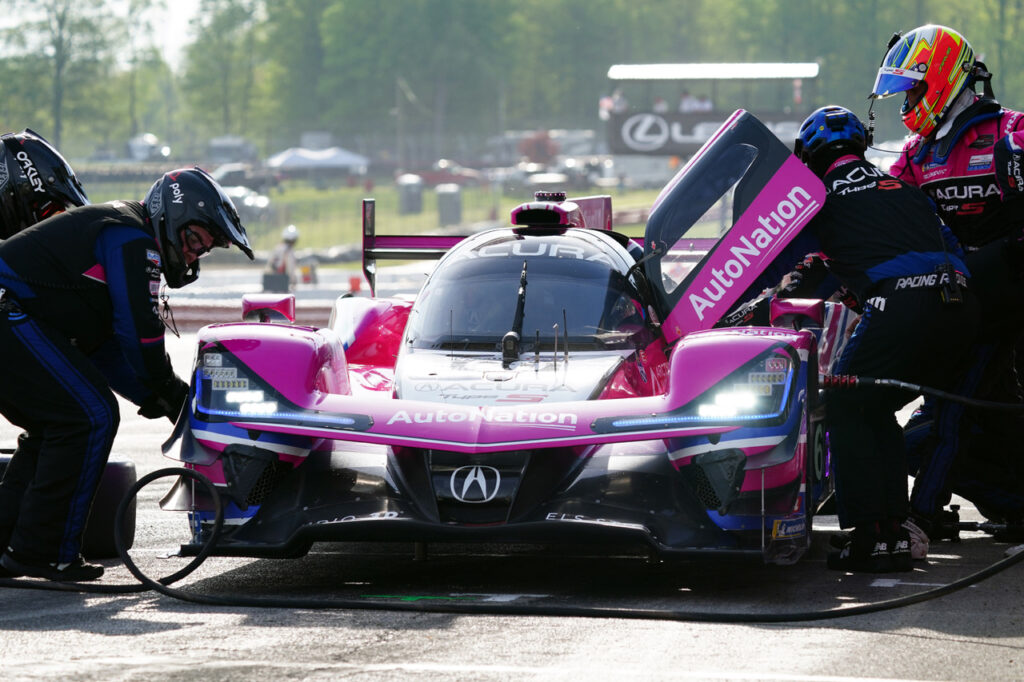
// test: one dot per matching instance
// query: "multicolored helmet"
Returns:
(830, 128)
(938, 56)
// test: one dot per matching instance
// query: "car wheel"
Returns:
(98, 538)
(815, 468)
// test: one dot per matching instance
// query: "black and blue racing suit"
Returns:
(882, 241)
(79, 300)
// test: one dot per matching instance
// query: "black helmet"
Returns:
(35, 182)
(189, 196)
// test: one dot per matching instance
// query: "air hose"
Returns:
(461, 607)
(841, 381)
(145, 583)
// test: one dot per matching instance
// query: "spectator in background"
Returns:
(687, 102)
(620, 104)
(282, 266)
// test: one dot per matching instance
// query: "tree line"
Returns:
(444, 73)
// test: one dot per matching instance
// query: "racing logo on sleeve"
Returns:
(153, 257)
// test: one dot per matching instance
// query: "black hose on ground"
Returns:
(490, 608)
(145, 583)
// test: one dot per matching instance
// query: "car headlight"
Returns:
(759, 391)
(227, 390)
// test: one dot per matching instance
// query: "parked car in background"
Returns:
(252, 206)
(445, 171)
(249, 175)
(147, 147)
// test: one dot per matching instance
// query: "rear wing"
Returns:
(548, 210)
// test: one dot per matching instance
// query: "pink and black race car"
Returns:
(553, 382)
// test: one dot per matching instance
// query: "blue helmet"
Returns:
(830, 128)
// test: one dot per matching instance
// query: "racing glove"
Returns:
(754, 312)
(1008, 157)
(166, 401)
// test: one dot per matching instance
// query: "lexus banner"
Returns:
(672, 134)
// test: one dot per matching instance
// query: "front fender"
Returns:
(296, 361)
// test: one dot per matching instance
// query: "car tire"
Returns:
(98, 538)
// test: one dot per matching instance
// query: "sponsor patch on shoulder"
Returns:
(979, 162)
(153, 257)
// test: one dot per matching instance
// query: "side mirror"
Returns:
(797, 313)
(268, 307)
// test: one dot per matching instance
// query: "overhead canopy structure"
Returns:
(721, 71)
(299, 158)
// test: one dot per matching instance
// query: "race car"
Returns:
(553, 382)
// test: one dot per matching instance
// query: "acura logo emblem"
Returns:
(475, 484)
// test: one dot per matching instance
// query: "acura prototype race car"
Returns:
(553, 382)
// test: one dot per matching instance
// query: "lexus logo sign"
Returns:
(645, 132)
(475, 484)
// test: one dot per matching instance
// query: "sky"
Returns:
(173, 29)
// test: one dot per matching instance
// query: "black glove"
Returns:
(754, 312)
(1008, 157)
(166, 401)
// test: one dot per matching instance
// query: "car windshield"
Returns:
(470, 304)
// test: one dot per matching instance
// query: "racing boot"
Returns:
(867, 551)
(76, 571)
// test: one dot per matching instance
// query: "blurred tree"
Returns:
(439, 75)
(221, 65)
(295, 53)
(70, 36)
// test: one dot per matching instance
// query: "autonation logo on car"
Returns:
(786, 204)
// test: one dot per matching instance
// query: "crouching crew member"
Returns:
(68, 285)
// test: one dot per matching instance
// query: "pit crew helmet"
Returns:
(290, 234)
(189, 196)
(935, 55)
(36, 182)
(827, 133)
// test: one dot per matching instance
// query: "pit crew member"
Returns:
(883, 242)
(35, 182)
(67, 286)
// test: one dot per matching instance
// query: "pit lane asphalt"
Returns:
(976, 633)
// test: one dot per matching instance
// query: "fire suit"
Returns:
(78, 285)
(881, 241)
(953, 448)
(885, 245)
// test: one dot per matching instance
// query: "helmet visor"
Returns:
(892, 81)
